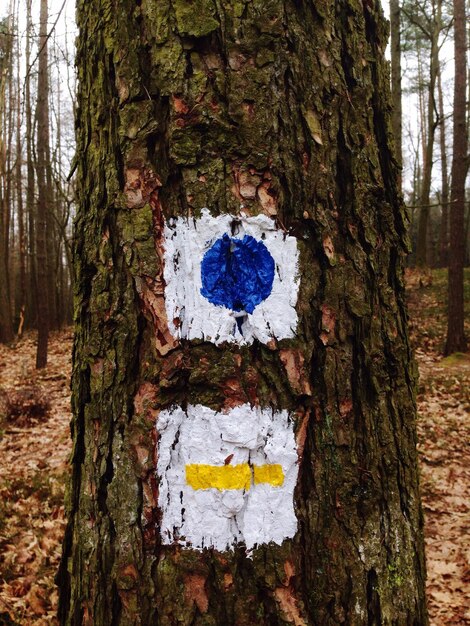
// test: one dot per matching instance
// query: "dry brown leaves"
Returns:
(444, 450)
(33, 467)
(444, 435)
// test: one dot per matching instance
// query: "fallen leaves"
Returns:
(444, 434)
(34, 448)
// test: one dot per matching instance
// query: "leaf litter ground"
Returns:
(444, 447)
(34, 453)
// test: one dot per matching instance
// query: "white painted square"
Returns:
(192, 316)
(220, 518)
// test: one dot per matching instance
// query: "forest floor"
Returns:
(34, 453)
(444, 447)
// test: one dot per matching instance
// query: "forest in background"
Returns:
(37, 84)
(425, 92)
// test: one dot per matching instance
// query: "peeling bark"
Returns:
(282, 107)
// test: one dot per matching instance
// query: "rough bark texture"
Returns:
(43, 203)
(395, 53)
(456, 341)
(283, 107)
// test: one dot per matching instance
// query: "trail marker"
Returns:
(232, 279)
(226, 478)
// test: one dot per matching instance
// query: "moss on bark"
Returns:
(282, 107)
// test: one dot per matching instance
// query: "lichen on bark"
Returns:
(282, 107)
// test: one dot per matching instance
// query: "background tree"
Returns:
(31, 313)
(444, 196)
(21, 290)
(426, 22)
(456, 341)
(6, 324)
(44, 203)
(183, 106)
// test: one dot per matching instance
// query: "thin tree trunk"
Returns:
(6, 324)
(186, 106)
(19, 196)
(51, 236)
(456, 341)
(467, 233)
(422, 248)
(43, 204)
(52, 242)
(32, 317)
(8, 195)
(60, 211)
(443, 231)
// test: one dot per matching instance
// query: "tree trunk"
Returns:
(43, 205)
(8, 173)
(52, 242)
(6, 323)
(456, 341)
(30, 200)
(424, 198)
(444, 230)
(395, 53)
(19, 199)
(230, 107)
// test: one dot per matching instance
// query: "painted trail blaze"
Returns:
(206, 503)
(269, 474)
(200, 476)
(235, 280)
(237, 273)
(222, 287)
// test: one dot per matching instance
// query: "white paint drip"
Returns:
(191, 316)
(201, 518)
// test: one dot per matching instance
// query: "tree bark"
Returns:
(424, 199)
(444, 226)
(8, 172)
(456, 341)
(43, 204)
(283, 108)
(30, 183)
(6, 323)
(395, 53)
(21, 291)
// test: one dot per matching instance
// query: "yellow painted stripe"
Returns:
(200, 476)
(271, 474)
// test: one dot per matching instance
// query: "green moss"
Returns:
(169, 66)
(136, 116)
(265, 56)
(185, 146)
(395, 577)
(137, 240)
(457, 358)
(195, 17)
